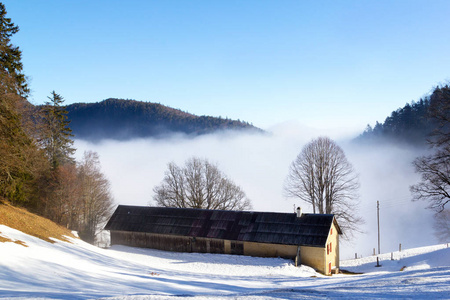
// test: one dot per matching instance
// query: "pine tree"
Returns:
(57, 141)
(10, 55)
(20, 158)
(14, 143)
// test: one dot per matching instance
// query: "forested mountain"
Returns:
(413, 124)
(125, 119)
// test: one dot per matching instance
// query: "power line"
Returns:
(391, 203)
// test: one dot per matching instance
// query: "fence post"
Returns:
(378, 262)
(400, 247)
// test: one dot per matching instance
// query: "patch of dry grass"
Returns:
(21, 243)
(22, 220)
(4, 239)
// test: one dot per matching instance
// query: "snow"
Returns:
(78, 270)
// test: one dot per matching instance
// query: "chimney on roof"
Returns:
(299, 212)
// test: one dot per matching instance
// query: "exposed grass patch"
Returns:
(22, 243)
(4, 240)
(22, 220)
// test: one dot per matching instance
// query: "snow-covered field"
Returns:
(78, 270)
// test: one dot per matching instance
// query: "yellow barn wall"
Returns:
(269, 250)
(333, 256)
(314, 257)
(310, 256)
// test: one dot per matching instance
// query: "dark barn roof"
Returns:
(262, 227)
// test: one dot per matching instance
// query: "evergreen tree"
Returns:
(10, 55)
(57, 141)
(20, 158)
(15, 168)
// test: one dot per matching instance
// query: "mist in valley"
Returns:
(259, 164)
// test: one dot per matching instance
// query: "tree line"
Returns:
(411, 124)
(37, 167)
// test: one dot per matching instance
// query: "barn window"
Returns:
(328, 249)
(331, 248)
(331, 231)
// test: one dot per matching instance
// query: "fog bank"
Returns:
(259, 164)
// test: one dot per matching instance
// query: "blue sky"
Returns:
(323, 64)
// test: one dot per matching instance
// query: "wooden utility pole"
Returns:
(378, 221)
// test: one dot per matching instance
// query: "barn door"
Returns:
(237, 248)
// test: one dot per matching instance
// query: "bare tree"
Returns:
(322, 176)
(435, 174)
(435, 168)
(199, 184)
(96, 200)
(64, 194)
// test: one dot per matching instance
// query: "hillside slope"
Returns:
(126, 119)
(78, 270)
(31, 224)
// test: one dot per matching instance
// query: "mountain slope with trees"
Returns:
(435, 167)
(411, 124)
(126, 119)
(424, 123)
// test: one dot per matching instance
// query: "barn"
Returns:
(309, 239)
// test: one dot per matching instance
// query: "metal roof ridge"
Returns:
(221, 210)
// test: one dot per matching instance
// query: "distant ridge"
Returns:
(121, 119)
